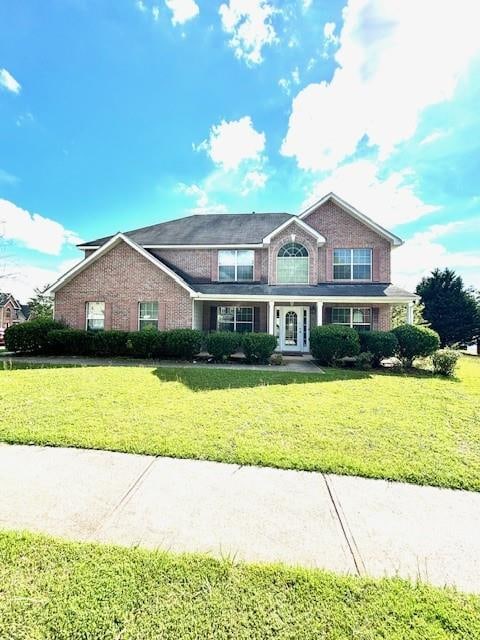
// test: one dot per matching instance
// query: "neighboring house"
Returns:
(11, 311)
(271, 272)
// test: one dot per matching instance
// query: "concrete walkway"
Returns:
(344, 524)
(292, 364)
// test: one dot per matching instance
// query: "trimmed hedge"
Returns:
(148, 343)
(31, 336)
(333, 341)
(70, 342)
(183, 343)
(381, 344)
(221, 344)
(258, 347)
(415, 341)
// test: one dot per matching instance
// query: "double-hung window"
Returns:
(147, 315)
(238, 319)
(359, 318)
(352, 264)
(95, 314)
(235, 265)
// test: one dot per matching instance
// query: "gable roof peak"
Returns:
(355, 213)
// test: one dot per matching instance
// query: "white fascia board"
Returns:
(295, 219)
(294, 298)
(116, 239)
(395, 240)
(185, 246)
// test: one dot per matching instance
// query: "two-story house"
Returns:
(270, 272)
(11, 311)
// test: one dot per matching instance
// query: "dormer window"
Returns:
(235, 265)
(292, 264)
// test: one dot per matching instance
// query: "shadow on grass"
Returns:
(203, 379)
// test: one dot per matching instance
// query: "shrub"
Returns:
(221, 344)
(364, 360)
(73, 342)
(148, 343)
(258, 347)
(183, 343)
(332, 342)
(109, 343)
(415, 341)
(30, 336)
(276, 359)
(444, 361)
(381, 344)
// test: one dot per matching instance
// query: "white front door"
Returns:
(294, 328)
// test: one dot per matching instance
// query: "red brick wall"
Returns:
(301, 236)
(343, 231)
(121, 278)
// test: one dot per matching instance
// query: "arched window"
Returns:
(292, 264)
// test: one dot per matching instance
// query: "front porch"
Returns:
(289, 320)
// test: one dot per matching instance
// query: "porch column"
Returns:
(410, 312)
(319, 313)
(271, 316)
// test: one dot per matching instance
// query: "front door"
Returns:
(294, 328)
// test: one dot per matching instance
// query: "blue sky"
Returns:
(119, 114)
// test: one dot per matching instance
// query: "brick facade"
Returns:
(293, 233)
(343, 231)
(122, 278)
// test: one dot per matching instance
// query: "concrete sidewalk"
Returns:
(344, 524)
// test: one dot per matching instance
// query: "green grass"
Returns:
(53, 590)
(416, 427)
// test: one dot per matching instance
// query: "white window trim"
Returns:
(303, 257)
(235, 265)
(89, 302)
(352, 264)
(352, 324)
(138, 312)
(235, 317)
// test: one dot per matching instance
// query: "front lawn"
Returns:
(72, 591)
(414, 427)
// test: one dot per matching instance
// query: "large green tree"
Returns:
(450, 308)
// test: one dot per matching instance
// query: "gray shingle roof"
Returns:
(326, 289)
(228, 228)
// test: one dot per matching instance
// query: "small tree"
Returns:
(450, 308)
(399, 315)
(41, 305)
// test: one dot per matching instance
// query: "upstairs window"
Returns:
(95, 313)
(359, 318)
(292, 264)
(352, 264)
(235, 265)
(148, 315)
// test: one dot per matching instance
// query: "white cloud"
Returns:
(390, 201)
(182, 10)
(155, 13)
(423, 252)
(202, 200)
(8, 81)
(306, 4)
(253, 180)
(395, 59)
(141, 6)
(436, 135)
(231, 143)
(330, 38)
(286, 83)
(249, 24)
(33, 230)
(23, 278)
